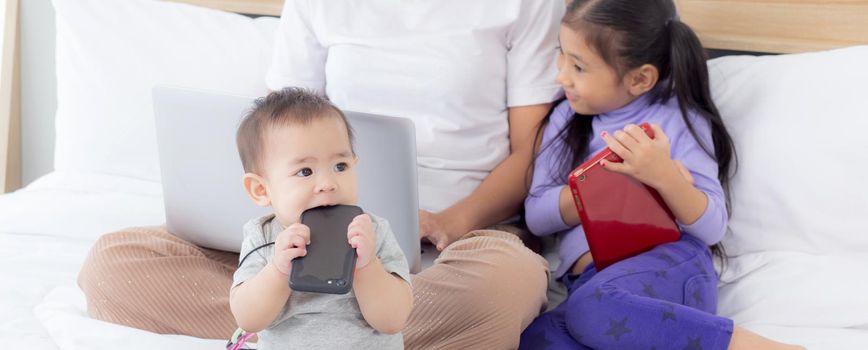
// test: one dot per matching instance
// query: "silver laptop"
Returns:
(201, 170)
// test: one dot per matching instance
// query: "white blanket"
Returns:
(31, 267)
(62, 312)
(46, 231)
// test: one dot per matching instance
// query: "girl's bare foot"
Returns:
(745, 339)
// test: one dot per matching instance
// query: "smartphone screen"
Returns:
(330, 260)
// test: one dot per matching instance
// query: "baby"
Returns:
(297, 153)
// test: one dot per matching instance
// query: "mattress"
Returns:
(46, 231)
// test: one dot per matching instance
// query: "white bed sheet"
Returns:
(815, 338)
(62, 312)
(46, 231)
(799, 298)
(81, 206)
(31, 267)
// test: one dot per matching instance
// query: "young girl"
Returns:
(623, 62)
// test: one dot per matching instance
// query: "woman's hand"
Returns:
(440, 229)
(646, 160)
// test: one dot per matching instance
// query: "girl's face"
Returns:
(591, 85)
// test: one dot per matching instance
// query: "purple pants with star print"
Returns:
(661, 299)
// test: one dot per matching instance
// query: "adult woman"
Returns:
(476, 77)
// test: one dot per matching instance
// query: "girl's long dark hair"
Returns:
(628, 34)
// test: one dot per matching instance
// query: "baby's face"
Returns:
(308, 166)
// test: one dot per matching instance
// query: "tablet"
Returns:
(621, 216)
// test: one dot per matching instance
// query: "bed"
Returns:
(799, 233)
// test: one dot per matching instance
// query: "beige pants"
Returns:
(480, 293)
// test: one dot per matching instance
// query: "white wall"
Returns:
(38, 88)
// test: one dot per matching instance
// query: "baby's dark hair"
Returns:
(289, 106)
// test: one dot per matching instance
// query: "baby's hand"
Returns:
(291, 243)
(645, 159)
(361, 236)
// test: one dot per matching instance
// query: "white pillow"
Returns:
(110, 53)
(799, 227)
(800, 125)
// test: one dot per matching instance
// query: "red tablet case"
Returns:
(621, 216)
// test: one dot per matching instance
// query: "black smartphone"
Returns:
(330, 260)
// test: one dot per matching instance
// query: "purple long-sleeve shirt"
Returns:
(542, 210)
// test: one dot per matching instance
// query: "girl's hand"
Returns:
(291, 243)
(684, 172)
(646, 160)
(361, 236)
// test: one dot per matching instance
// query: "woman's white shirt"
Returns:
(451, 66)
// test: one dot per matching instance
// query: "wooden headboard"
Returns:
(777, 26)
(250, 7)
(771, 26)
(10, 134)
